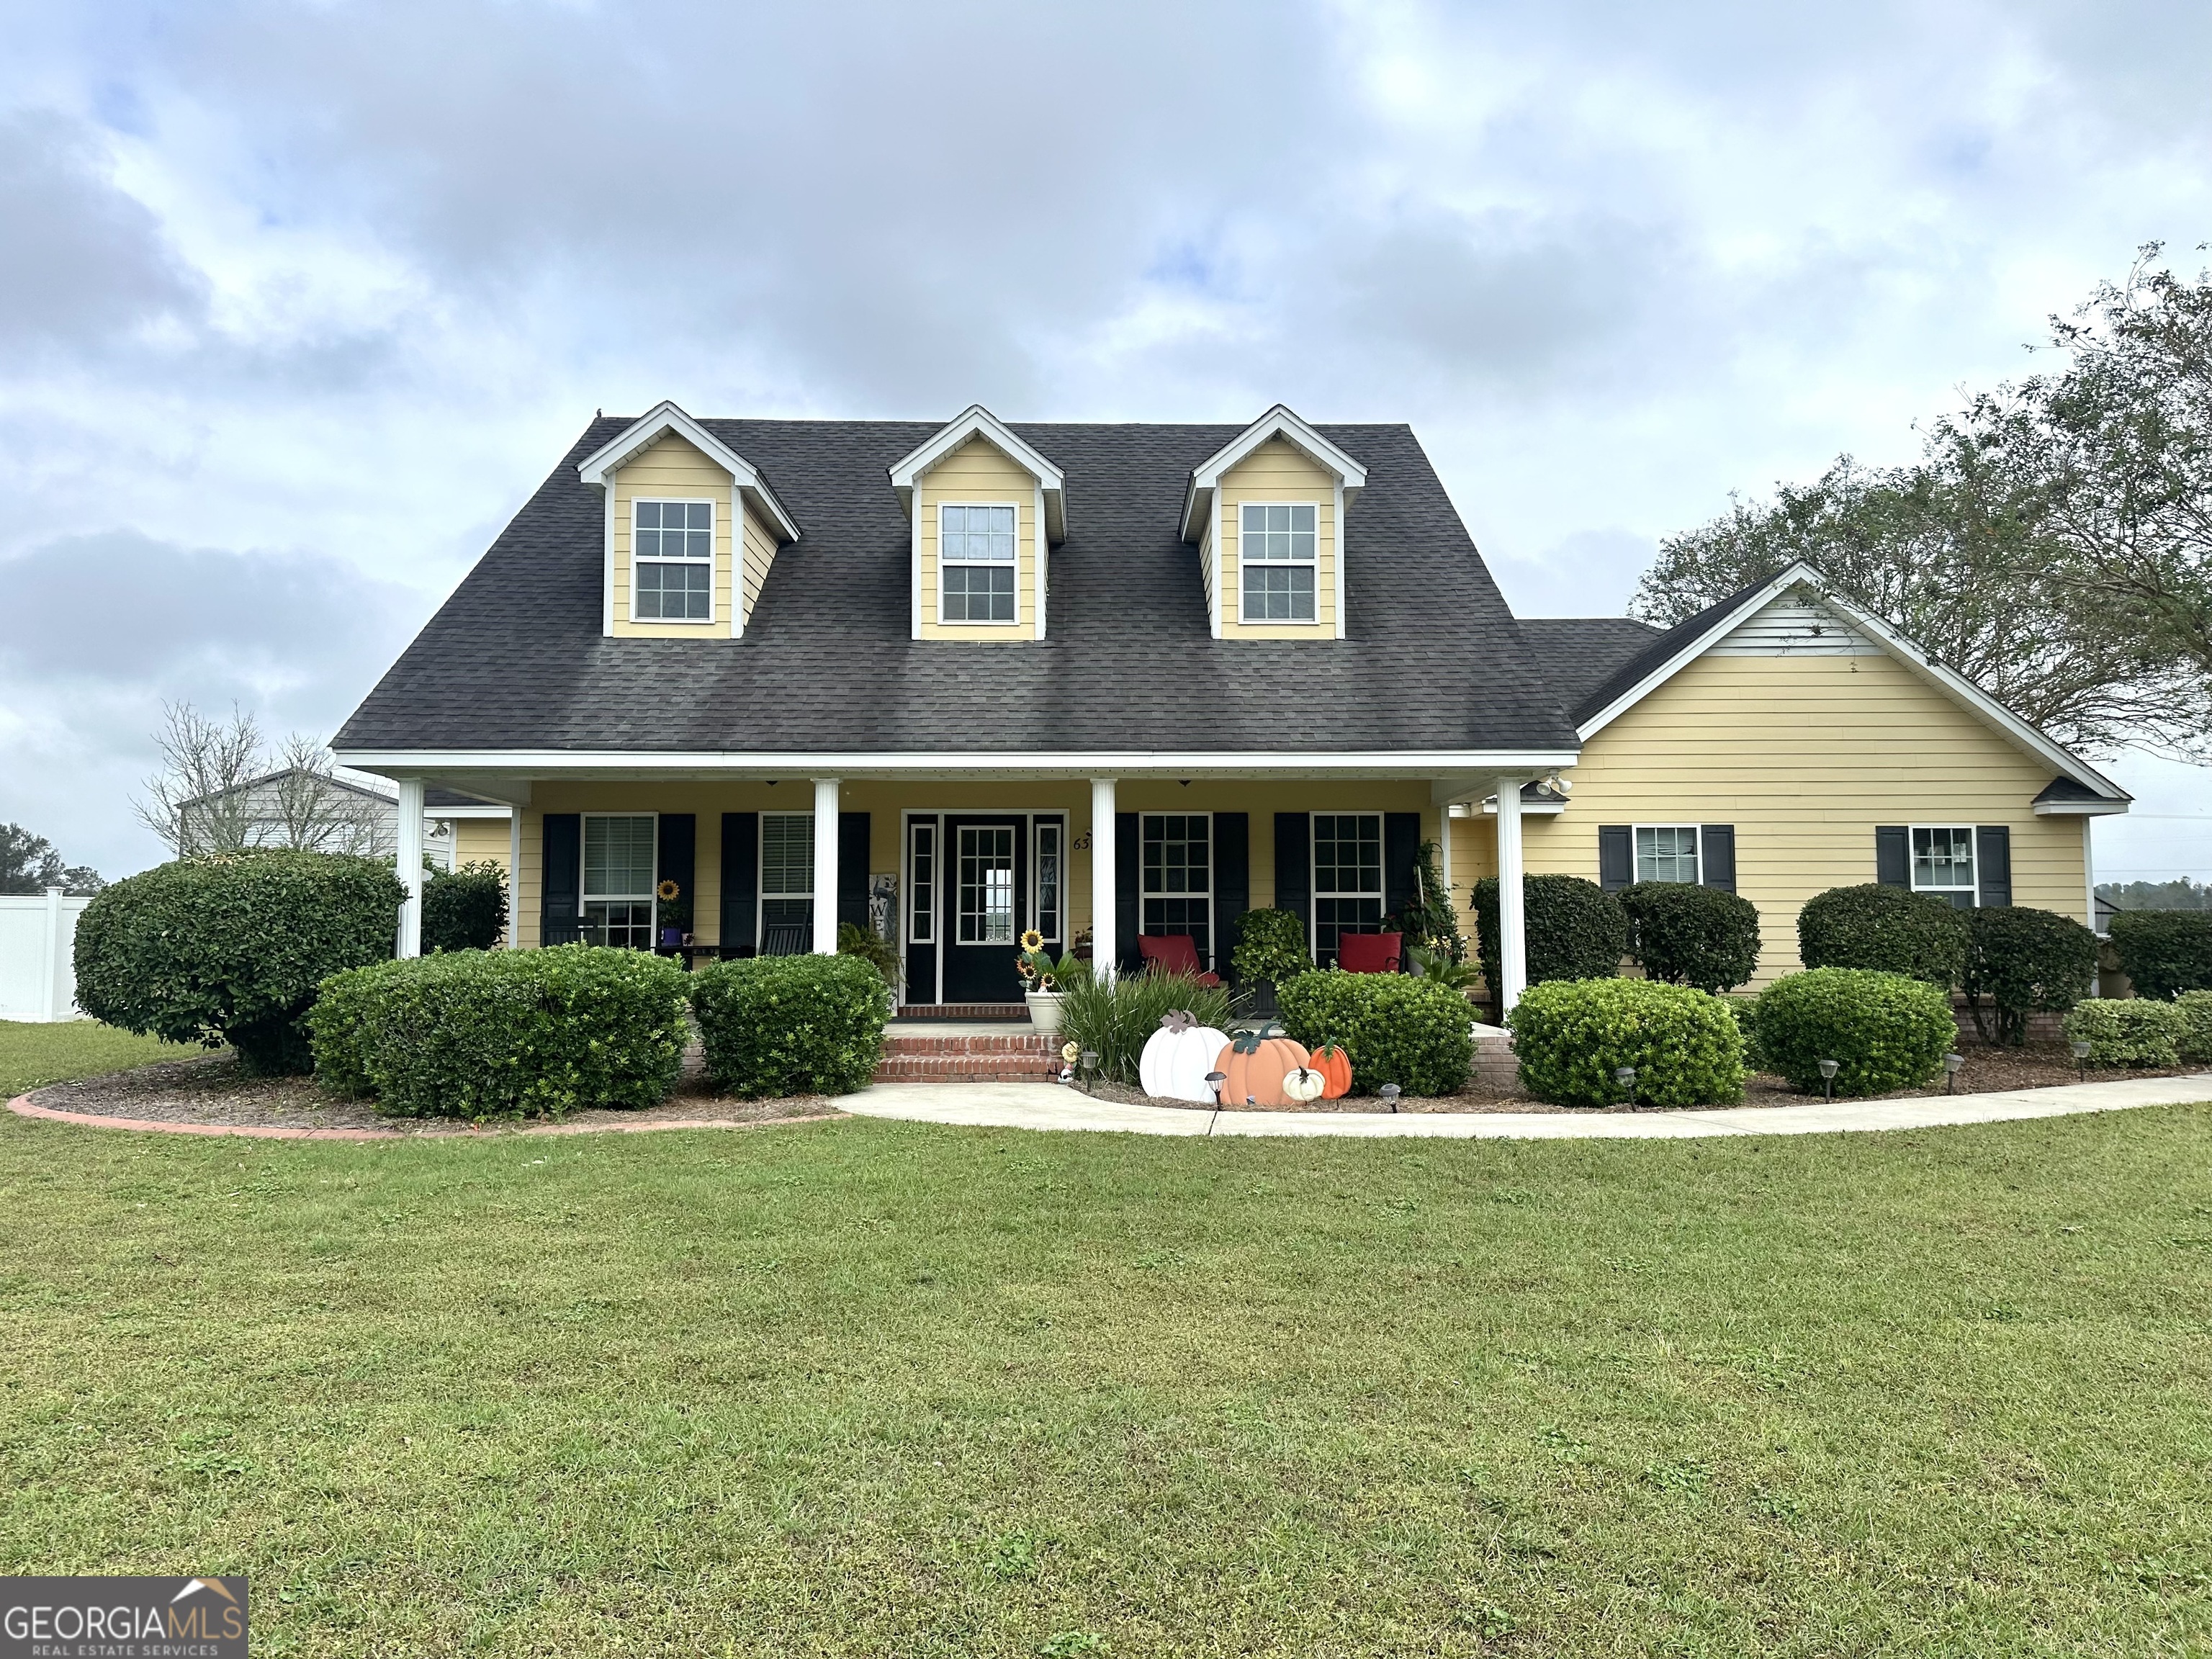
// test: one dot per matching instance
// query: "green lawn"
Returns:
(868, 1388)
(31, 1055)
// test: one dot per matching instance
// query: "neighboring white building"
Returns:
(350, 812)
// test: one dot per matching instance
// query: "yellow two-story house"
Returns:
(740, 681)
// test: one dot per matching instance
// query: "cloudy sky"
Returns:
(299, 301)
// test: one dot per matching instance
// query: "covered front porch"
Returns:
(953, 867)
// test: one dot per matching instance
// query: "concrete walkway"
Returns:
(1043, 1106)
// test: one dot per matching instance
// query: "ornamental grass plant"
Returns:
(1114, 1019)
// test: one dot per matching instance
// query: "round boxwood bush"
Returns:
(2023, 959)
(485, 1034)
(231, 947)
(1886, 929)
(791, 1025)
(1572, 1036)
(1394, 1027)
(1271, 945)
(1884, 1032)
(2165, 952)
(464, 910)
(1685, 934)
(2129, 1030)
(1574, 929)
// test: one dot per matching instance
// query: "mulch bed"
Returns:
(211, 1090)
(1987, 1071)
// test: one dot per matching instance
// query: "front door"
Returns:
(986, 906)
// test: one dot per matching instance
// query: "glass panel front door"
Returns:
(986, 906)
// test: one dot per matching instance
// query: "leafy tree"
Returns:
(28, 864)
(2179, 894)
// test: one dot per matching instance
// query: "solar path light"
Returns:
(1828, 1079)
(1951, 1065)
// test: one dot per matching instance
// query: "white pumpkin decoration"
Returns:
(1304, 1085)
(1177, 1057)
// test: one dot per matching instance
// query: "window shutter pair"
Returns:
(1616, 856)
(1892, 860)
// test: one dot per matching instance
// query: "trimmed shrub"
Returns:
(1886, 929)
(791, 1025)
(1572, 1036)
(232, 947)
(1271, 945)
(486, 1033)
(1684, 934)
(1115, 1019)
(1574, 929)
(1884, 1032)
(2128, 1030)
(2165, 952)
(2195, 1008)
(2023, 959)
(1394, 1028)
(464, 909)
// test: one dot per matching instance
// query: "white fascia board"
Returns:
(664, 416)
(1956, 686)
(468, 811)
(2079, 809)
(977, 422)
(1278, 421)
(619, 763)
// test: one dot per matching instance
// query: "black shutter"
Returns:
(1294, 866)
(1401, 849)
(853, 870)
(1892, 855)
(1129, 866)
(1616, 856)
(1232, 882)
(561, 880)
(677, 857)
(1993, 858)
(1716, 855)
(740, 882)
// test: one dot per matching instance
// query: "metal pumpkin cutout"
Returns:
(1177, 1057)
(1256, 1065)
(1335, 1068)
(1304, 1086)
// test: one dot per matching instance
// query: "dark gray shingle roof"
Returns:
(1577, 654)
(1658, 649)
(515, 660)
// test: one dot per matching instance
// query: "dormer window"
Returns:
(674, 561)
(977, 556)
(1278, 560)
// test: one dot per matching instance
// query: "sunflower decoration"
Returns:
(1032, 940)
(668, 891)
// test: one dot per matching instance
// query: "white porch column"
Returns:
(1105, 949)
(411, 866)
(515, 878)
(825, 867)
(1513, 940)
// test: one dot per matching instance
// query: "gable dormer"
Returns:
(984, 507)
(691, 529)
(1266, 511)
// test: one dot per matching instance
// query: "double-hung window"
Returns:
(1275, 552)
(787, 884)
(672, 561)
(976, 564)
(1178, 880)
(618, 864)
(1347, 879)
(1667, 851)
(1943, 864)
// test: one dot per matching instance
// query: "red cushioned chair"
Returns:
(1369, 953)
(1174, 953)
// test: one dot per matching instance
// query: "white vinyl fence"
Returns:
(38, 979)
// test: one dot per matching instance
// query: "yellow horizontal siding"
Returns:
(1278, 471)
(760, 554)
(979, 474)
(671, 469)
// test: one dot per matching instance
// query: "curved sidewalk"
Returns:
(1046, 1106)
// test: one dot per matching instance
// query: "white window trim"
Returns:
(1314, 894)
(943, 620)
(1212, 934)
(1058, 820)
(1244, 563)
(939, 941)
(1697, 840)
(762, 896)
(1912, 863)
(713, 561)
(907, 925)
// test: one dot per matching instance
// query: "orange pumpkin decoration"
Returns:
(1335, 1068)
(1255, 1064)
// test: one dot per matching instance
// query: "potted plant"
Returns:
(673, 915)
(1041, 977)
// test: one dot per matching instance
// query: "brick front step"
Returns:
(1005, 1011)
(1013, 1057)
